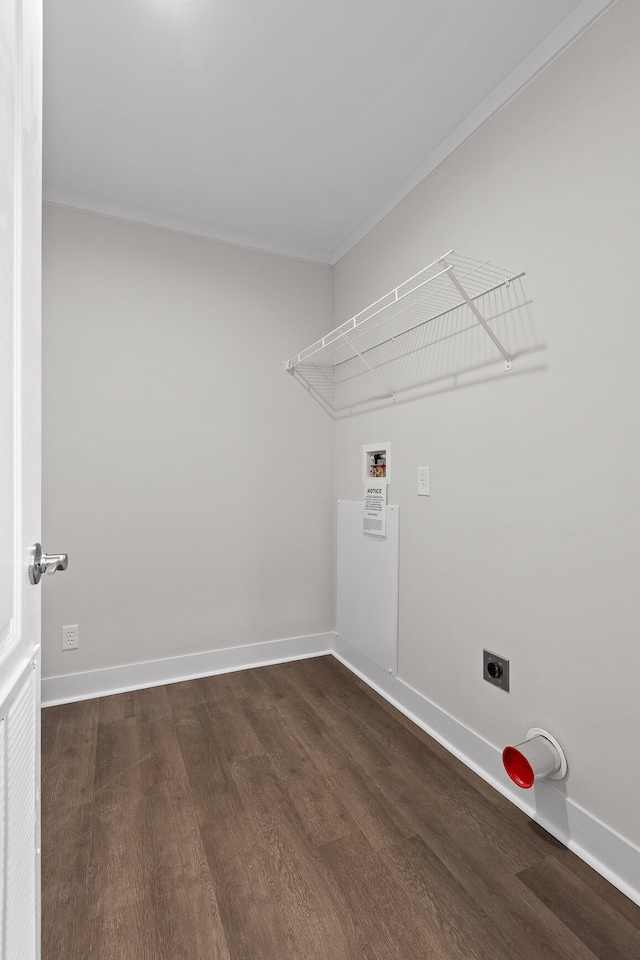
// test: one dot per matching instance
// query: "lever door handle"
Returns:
(52, 562)
(40, 563)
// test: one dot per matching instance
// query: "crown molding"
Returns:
(102, 206)
(527, 70)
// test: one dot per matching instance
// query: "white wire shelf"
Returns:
(383, 350)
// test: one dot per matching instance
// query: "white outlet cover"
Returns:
(70, 637)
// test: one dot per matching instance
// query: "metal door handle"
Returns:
(40, 563)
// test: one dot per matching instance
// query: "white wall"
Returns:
(186, 474)
(529, 544)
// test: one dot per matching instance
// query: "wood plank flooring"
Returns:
(288, 813)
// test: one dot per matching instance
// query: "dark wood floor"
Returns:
(288, 812)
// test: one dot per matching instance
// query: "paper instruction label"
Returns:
(374, 517)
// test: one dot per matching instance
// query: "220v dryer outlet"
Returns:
(71, 637)
(495, 669)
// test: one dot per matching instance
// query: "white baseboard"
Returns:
(154, 673)
(611, 855)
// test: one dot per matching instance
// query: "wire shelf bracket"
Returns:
(367, 357)
(483, 323)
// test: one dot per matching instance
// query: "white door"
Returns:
(20, 231)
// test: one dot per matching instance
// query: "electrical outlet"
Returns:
(71, 637)
(495, 669)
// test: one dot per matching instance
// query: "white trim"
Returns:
(527, 70)
(154, 673)
(59, 197)
(611, 855)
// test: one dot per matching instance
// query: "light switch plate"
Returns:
(423, 482)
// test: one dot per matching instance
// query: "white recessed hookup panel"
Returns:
(367, 588)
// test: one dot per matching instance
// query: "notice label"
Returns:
(374, 519)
